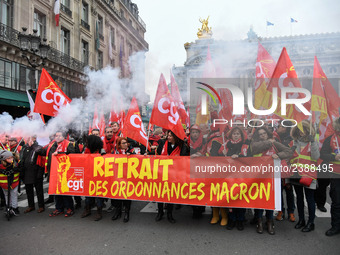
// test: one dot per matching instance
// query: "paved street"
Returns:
(35, 233)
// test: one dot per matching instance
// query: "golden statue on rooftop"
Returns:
(204, 32)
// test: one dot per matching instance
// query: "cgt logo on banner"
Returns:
(50, 98)
(75, 182)
(71, 178)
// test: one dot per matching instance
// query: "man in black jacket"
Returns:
(32, 174)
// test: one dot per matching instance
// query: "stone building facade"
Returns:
(239, 57)
(93, 33)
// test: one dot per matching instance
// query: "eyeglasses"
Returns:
(124, 143)
(264, 133)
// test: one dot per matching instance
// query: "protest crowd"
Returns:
(26, 161)
(312, 148)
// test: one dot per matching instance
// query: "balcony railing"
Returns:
(130, 7)
(135, 32)
(10, 36)
(66, 10)
(85, 25)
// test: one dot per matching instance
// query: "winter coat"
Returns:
(30, 171)
(185, 150)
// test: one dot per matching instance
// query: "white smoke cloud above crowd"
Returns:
(104, 90)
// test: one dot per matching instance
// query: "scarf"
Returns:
(62, 146)
(109, 145)
(175, 152)
(236, 142)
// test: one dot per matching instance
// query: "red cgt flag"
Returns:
(284, 75)
(133, 124)
(164, 113)
(324, 100)
(50, 98)
(178, 99)
(99, 122)
(117, 113)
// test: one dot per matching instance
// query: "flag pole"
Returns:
(147, 142)
(3, 145)
(18, 144)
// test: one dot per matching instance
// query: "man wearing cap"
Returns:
(14, 145)
(9, 173)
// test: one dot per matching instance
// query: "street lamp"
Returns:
(31, 43)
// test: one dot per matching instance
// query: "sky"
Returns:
(172, 23)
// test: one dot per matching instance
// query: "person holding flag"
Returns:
(326, 101)
(165, 114)
(330, 154)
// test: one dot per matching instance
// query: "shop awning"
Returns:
(13, 98)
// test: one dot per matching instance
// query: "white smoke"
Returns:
(105, 90)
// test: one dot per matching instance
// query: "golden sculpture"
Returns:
(204, 32)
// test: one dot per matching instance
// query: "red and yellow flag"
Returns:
(284, 75)
(265, 66)
(324, 100)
